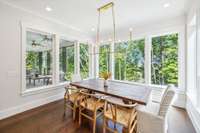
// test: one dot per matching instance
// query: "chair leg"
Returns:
(104, 125)
(94, 122)
(74, 113)
(65, 107)
(79, 115)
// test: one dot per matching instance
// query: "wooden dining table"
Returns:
(126, 91)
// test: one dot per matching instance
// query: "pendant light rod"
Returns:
(104, 8)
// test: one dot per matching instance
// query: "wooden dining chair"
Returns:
(90, 102)
(71, 99)
(119, 113)
(72, 96)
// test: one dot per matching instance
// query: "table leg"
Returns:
(29, 80)
(34, 82)
(47, 81)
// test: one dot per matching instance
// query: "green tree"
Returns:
(129, 61)
(165, 60)
(104, 58)
(84, 60)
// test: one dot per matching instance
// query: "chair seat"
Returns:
(151, 107)
(91, 104)
(123, 115)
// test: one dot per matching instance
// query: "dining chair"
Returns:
(90, 102)
(72, 96)
(119, 113)
(153, 117)
(159, 100)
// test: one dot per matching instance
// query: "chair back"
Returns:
(76, 78)
(114, 104)
(87, 97)
(166, 100)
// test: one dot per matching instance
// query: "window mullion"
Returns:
(56, 59)
(96, 60)
(112, 61)
(77, 59)
(147, 64)
(91, 61)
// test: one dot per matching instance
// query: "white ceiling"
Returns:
(82, 14)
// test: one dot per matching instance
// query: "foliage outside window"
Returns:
(164, 62)
(104, 58)
(38, 59)
(66, 60)
(129, 61)
(84, 60)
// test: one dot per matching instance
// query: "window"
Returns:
(164, 60)
(38, 59)
(120, 60)
(129, 60)
(66, 60)
(104, 58)
(84, 60)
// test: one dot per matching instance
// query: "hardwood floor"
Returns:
(49, 119)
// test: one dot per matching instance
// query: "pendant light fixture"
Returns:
(103, 9)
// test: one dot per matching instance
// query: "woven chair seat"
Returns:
(123, 115)
(90, 105)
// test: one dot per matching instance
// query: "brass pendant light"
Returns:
(103, 9)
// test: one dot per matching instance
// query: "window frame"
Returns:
(89, 58)
(164, 34)
(32, 28)
(180, 30)
(181, 57)
(55, 59)
(127, 41)
(58, 60)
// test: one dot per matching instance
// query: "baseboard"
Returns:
(21, 108)
(194, 114)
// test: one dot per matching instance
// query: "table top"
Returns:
(125, 91)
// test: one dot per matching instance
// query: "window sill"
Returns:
(39, 90)
(155, 87)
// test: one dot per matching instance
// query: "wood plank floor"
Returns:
(49, 119)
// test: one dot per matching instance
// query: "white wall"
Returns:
(192, 52)
(11, 101)
(150, 28)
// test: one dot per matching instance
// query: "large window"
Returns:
(104, 58)
(38, 59)
(84, 60)
(66, 60)
(164, 60)
(129, 60)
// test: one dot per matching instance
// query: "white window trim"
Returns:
(58, 38)
(24, 28)
(198, 57)
(55, 58)
(147, 68)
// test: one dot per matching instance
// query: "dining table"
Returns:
(126, 91)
